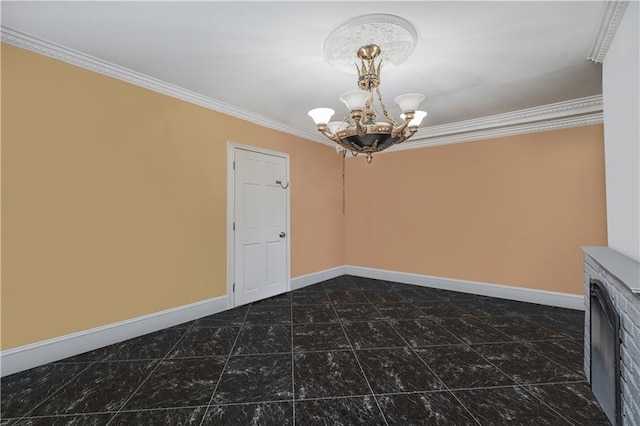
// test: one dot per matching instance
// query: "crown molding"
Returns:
(611, 17)
(577, 112)
(100, 66)
(561, 123)
(587, 105)
(560, 115)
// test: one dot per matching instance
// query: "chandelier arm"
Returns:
(412, 131)
(408, 116)
(331, 136)
(407, 135)
(399, 130)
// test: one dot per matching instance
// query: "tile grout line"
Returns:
(496, 329)
(293, 373)
(406, 298)
(111, 413)
(424, 362)
(514, 341)
(224, 367)
(89, 365)
(305, 399)
(358, 361)
(518, 317)
(518, 384)
(526, 389)
(525, 385)
(523, 343)
(491, 363)
(26, 415)
(430, 369)
(541, 353)
(151, 372)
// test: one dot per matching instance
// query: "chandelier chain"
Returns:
(384, 108)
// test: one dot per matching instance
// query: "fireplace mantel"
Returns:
(625, 269)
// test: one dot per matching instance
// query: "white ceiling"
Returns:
(472, 59)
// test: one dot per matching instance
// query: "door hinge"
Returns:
(234, 226)
(234, 287)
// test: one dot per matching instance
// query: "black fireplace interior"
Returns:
(605, 351)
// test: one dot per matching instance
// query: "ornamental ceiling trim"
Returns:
(109, 69)
(611, 16)
(577, 112)
(512, 130)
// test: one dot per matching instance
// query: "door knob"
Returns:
(282, 235)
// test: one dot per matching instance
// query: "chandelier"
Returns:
(367, 128)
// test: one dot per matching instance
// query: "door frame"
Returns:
(231, 214)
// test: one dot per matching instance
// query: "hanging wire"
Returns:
(344, 161)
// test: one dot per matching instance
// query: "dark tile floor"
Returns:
(348, 351)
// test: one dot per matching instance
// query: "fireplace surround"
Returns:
(604, 323)
(618, 277)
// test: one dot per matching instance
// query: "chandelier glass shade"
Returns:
(368, 127)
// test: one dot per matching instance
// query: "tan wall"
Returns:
(114, 203)
(114, 199)
(510, 211)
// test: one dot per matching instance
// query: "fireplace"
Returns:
(612, 332)
(605, 351)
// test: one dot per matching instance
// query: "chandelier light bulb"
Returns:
(335, 126)
(355, 99)
(409, 102)
(321, 115)
(417, 118)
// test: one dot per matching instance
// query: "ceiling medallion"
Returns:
(395, 36)
(360, 131)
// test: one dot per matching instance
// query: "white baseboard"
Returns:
(543, 297)
(28, 356)
(316, 277)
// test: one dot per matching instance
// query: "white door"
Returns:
(260, 260)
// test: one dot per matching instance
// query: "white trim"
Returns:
(231, 182)
(302, 281)
(562, 123)
(91, 63)
(543, 297)
(611, 17)
(260, 150)
(231, 203)
(50, 350)
(624, 268)
(32, 355)
(544, 113)
(529, 120)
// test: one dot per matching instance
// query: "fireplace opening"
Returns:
(605, 351)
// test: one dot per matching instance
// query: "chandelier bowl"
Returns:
(370, 143)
